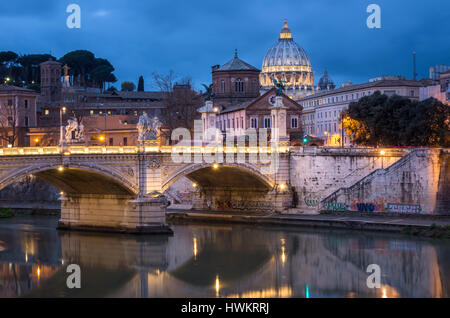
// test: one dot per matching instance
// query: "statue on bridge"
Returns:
(74, 131)
(148, 130)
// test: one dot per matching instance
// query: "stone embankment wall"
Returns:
(418, 183)
(30, 193)
(315, 173)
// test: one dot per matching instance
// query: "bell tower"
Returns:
(51, 81)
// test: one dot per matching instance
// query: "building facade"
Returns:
(439, 91)
(257, 114)
(234, 82)
(17, 114)
(322, 111)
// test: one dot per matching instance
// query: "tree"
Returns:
(7, 62)
(101, 72)
(141, 84)
(81, 63)
(9, 124)
(31, 73)
(379, 120)
(180, 101)
(112, 89)
(128, 86)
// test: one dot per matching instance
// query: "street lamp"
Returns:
(382, 153)
(61, 111)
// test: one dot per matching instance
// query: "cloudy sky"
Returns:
(141, 37)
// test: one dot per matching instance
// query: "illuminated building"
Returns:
(321, 111)
(288, 61)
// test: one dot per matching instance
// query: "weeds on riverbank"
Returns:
(432, 231)
(6, 213)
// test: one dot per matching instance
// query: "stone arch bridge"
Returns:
(120, 187)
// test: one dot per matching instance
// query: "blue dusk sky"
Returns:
(188, 37)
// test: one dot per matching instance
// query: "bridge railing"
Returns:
(68, 150)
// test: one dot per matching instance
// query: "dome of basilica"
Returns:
(285, 52)
(326, 82)
(287, 61)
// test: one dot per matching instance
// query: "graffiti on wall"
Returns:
(366, 207)
(403, 208)
(312, 201)
(243, 205)
(335, 206)
(185, 197)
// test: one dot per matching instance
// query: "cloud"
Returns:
(142, 37)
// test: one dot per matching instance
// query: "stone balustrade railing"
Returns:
(68, 150)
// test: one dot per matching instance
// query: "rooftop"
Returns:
(236, 64)
(374, 84)
(12, 88)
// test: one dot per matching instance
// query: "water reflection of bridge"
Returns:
(237, 262)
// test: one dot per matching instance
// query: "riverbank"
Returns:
(430, 227)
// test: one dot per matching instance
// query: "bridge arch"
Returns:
(76, 178)
(225, 175)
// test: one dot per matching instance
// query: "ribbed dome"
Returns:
(326, 82)
(285, 52)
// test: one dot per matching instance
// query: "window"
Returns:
(125, 141)
(242, 122)
(222, 86)
(26, 103)
(46, 111)
(233, 123)
(267, 122)
(254, 122)
(26, 121)
(228, 123)
(389, 93)
(111, 141)
(10, 102)
(411, 93)
(294, 122)
(91, 112)
(239, 86)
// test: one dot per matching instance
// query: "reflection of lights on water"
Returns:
(283, 251)
(283, 255)
(282, 292)
(38, 272)
(307, 292)
(26, 258)
(195, 247)
(384, 293)
(158, 272)
(217, 286)
(62, 262)
(2, 246)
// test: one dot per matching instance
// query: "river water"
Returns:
(218, 261)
